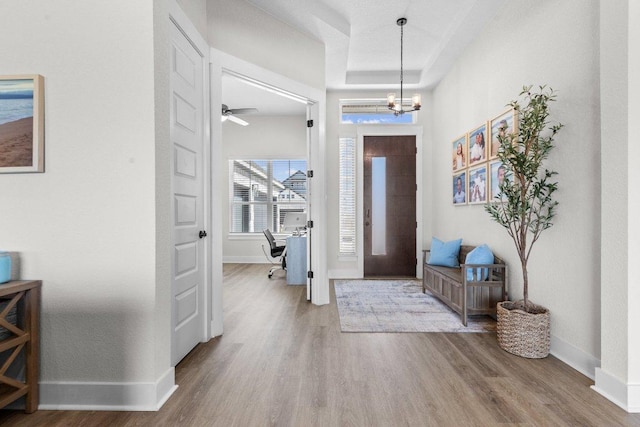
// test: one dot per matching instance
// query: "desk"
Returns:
(297, 260)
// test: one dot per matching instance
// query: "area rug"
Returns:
(398, 306)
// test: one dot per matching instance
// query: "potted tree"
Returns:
(525, 208)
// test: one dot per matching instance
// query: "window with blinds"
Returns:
(347, 196)
(263, 191)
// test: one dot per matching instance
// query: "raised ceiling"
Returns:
(362, 43)
(362, 40)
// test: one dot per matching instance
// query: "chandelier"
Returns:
(396, 105)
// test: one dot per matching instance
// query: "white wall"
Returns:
(196, 10)
(246, 32)
(634, 209)
(619, 376)
(87, 226)
(613, 47)
(553, 43)
(276, 137)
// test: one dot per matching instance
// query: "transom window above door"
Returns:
(372, 111)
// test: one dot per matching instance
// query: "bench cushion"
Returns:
(480, 255)
(444, 253)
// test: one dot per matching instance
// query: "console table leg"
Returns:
(32, 310)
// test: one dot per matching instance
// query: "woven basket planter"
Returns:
(522, 333)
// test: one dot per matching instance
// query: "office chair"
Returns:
(277, 252)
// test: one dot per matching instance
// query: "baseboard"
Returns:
(578, 359)
(103, 396)
(634, 398)
(244, 260)
(343, 274)
(626, 396)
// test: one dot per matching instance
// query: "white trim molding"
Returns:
(626, 396)
(344, 274)
(245, 260)
(579, 360)
(103, 396)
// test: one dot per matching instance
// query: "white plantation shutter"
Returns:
(347, 196)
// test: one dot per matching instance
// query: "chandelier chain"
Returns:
(401, 61)
(393, 103)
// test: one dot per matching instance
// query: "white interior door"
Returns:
(188, 272)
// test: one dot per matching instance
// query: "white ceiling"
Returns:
(362, 43)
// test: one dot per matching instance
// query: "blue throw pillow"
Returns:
(480, 255)
(444, 253)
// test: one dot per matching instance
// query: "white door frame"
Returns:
(317, 153)
(184, 24)
(387, 130)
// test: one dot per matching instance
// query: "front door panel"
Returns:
(389, 206)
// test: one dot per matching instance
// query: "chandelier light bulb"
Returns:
(416, 101)
(391, 100)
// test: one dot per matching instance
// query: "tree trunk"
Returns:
(525, 284)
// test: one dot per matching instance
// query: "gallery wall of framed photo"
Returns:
(476, 170)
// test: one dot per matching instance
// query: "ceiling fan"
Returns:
(228, 113)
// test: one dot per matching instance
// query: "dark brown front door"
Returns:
(389, 206)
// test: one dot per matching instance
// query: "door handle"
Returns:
(202, 234)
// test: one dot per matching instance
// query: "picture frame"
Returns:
(477, 193)
(505, 123)
(459, 190)
(21, 123)
(459, 153)
(478, 145)
(496, 174)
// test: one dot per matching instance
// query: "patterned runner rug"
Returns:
(398, 306)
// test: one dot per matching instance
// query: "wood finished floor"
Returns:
(284, 362)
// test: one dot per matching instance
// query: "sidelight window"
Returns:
(347, 196)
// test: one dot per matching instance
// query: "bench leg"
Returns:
(463, 315)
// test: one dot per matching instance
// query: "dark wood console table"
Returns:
(25, 296)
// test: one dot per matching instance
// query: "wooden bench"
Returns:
(450, 285)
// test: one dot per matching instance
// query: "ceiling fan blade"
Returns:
(237, 120)
(243, 110)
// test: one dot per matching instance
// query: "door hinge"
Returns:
(310, 274)
(309, 123)
(310, 174)
(309, 224)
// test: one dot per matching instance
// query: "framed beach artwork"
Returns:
(459, 153)
(497, 174)
(21, 123)
(478, 185)
(459, 189)
(478, 145)
(502, 125)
